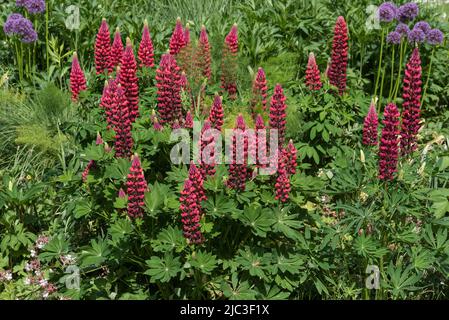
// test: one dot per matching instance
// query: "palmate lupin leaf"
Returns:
(163, 269)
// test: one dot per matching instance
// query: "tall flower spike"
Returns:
(203, 55)
(128, 80)
(177, 39)
(259, 92)
(117, 48)
(103, 49)
(190, 209)
(291, 155)
(282, 185)
(313, 80)
(197, 178)
(207, 155)
(259, 149)
(411, 107)
(278, 113)
(168, 78)
(388, 149)
(339, 57)
(77, 79)
(370, 126)
(238, 169)
(146, 51)
(122, 123)
(216, 113)
(187, 34)
(135, 188)
(230, 64)
(107, 101)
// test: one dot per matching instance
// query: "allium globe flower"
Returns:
(17, 25)
(423, 26)
(407, 12)
(416, 36)
(434, 37)
(403, 29)
(387, 12)
(394, 37)
(34, 6)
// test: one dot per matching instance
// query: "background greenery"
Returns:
(340, 218)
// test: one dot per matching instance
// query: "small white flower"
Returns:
(28, 267)
(43, 283)
(33, 253)
(8, 275)
(45, 295)
(27, 281)
(40, 245)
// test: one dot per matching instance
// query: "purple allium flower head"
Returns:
(394, 37)
(434, 37)
(387, 12)
(20, 3)
(403, 29)
(407, 12)
(416, 35)
(17, 25)
(422, 25)
(34, 6)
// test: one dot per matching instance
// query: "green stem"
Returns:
(379, 67)
(398, 78)
(428, 77)
(390, 93)
(382, 85)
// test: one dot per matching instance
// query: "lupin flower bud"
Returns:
(370, 126)
(188, 122)
(339, 57)
(99, 139)
(190, 208)
(146, 51)
(103, 49)
(203, 55)
(135, 188)
(177, 39)
(117, 48)
(278, 113)
(313, 79)
(216, 113)
(388, 149)
(259, 92)
(77, 79)
(168, 78)
(86, 171)
(238, 169)
(229, 63)
(121, 193)
(128, 80)
(411, 107)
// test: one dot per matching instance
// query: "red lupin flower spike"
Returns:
(177, 39)
(207, 159)
(411, 107)
(77, 79)
(122, 124)
(388, 149)
(117, 48)
(238, 169)
(135, 188)
(188, 121)
(259, 92)
(146, 51)
(107, 102)
(339, 56)
(168, 78)
(278, 113)
(216, 113)
(103, 49)
(370, 126)
(229, 63)
(259, 149)
(90, 165)
(197, 178)
(291, 155)
(204, 55)
(190, 208)
(128, 80)
(282, 185)
(313, 79)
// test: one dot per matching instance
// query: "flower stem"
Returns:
(428, 77)
(398, 79)
(390, 93)
(379, 67)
